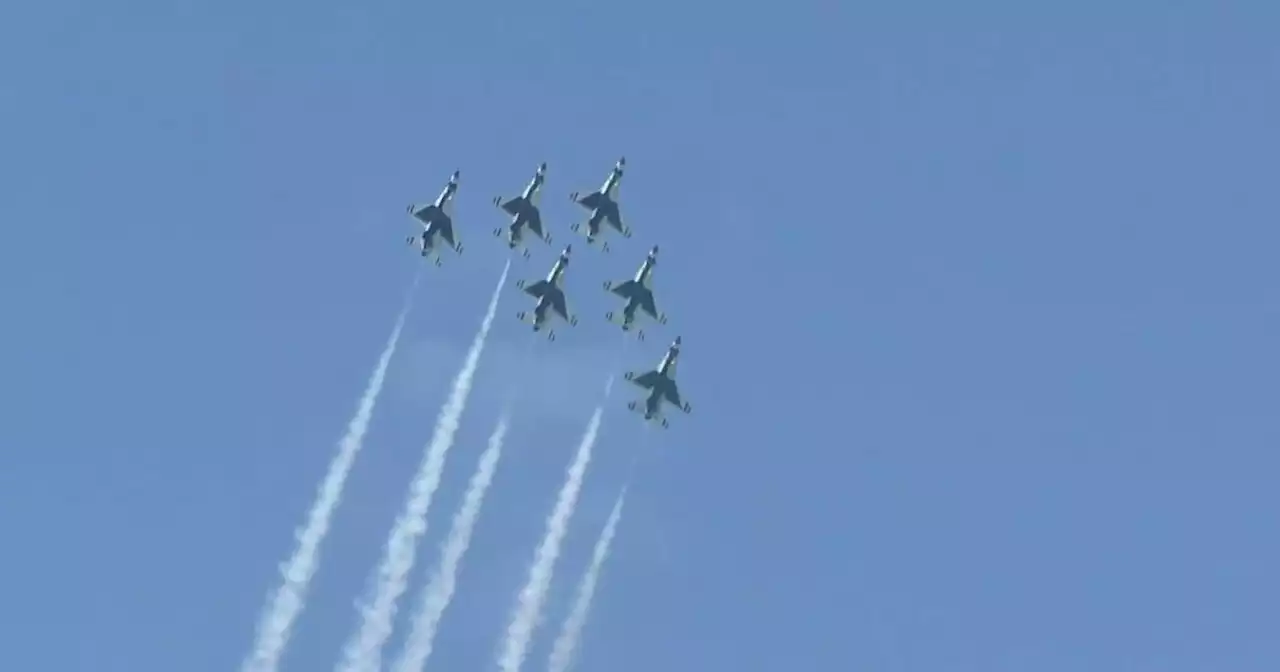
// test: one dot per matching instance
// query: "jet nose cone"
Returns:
(456, 174)
(622, 161)
(567, 250)
(677, 341)
(654, 251)
(542, 167)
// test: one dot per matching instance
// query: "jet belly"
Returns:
(645, 272)
(610, 186)
(557, 274)
(540, 312)
(532, 189)
(629, 312)
(514, 237)
(445, 196)
(668, 365)
(653, 404)
(593, 224)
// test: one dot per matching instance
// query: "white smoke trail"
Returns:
(276, 622)
(528, 609)
(439, 590)
(562, 653)
(363, 653)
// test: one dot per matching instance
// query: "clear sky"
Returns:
(979, 305)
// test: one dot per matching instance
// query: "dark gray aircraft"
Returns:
(437, 222)
(661, 383)
(603, 205)
(550, 296)
(639, 295)
(524, 214)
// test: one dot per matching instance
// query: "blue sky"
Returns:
(979, 311)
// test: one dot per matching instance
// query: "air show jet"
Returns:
(639, 295)
(603, 205)
(437, 222)
(524, 214)
(661, 383)
(550, 296)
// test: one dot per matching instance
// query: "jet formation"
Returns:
(551, 304)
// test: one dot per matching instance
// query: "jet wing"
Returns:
(444, 226)
(625, 289)
(537, 289)
(559, 305)
(647, 304)
(535, 223)
(591, 201)
(615, 218)
(647, 379)
(426, 214)
(672, 394)
(512, 206)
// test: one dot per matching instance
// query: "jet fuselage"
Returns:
(523, 210)
(603, 204)
(436, 221)
(549, 295)
(641, 279)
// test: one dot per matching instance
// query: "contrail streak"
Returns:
(276, 622)
(562, 653)
(363, 653)
(528, 609)
(439, 591)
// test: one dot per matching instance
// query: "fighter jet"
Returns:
(603, 205)
(639, 295)
(550, 295)
(661, 383)
(437, 222)
(524, 214)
